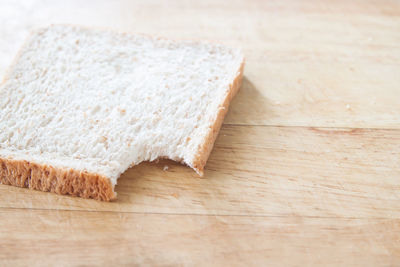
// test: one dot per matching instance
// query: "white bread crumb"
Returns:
(99, 101)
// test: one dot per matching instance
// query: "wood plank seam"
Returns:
(309, 127)
(201, 214)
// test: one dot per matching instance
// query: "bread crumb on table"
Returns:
(165, 168)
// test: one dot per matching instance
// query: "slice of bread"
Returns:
(80, 106)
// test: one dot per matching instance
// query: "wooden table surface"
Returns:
(305, 171)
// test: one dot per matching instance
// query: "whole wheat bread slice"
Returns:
(80, 106)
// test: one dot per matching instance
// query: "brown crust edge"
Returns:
(61, 181)
(206, 148)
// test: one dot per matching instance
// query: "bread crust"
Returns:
(47, 178)
(205, 149)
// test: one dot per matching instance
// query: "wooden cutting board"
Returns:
(305, 171)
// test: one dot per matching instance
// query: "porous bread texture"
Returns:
(80, 106)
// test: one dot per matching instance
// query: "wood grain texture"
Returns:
(114, 238)
(305, 171)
